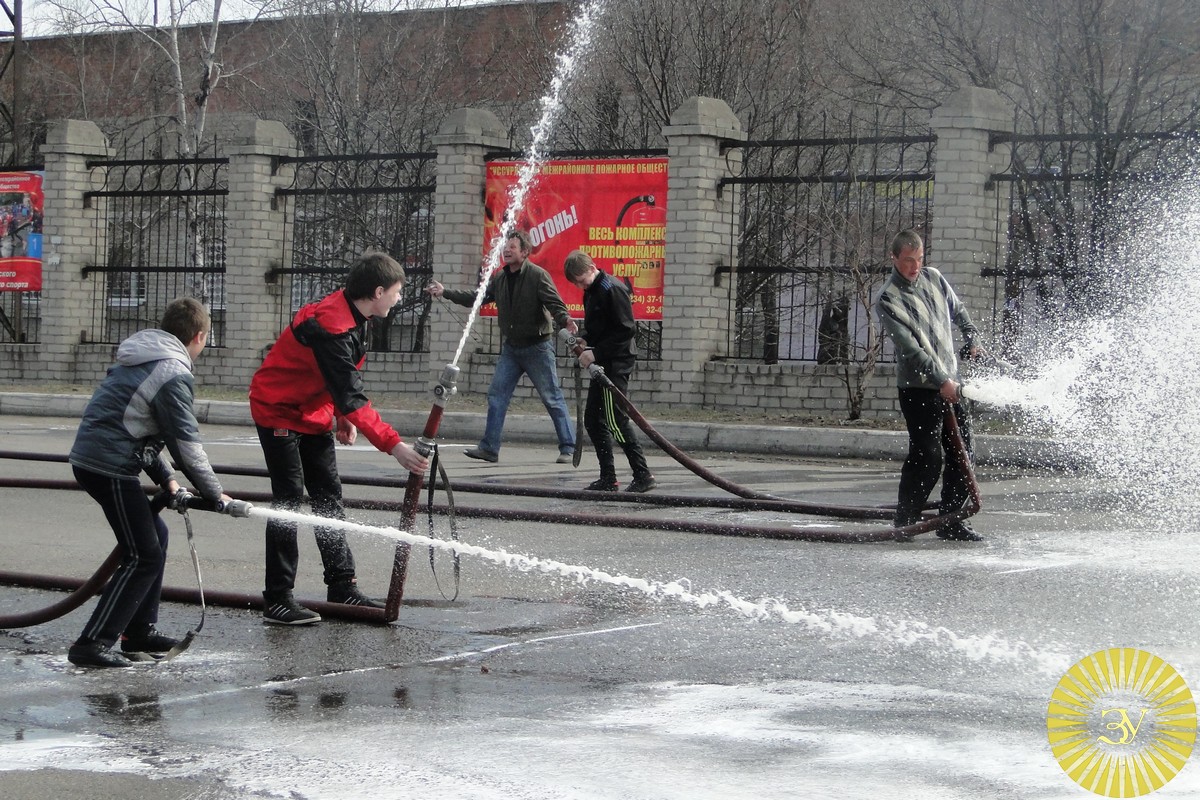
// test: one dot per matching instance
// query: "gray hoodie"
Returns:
(142, 405)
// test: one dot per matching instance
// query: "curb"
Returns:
(466, 426)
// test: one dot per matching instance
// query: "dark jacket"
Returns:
(609, 328)
(526, 302)
(313, 371)
(145, 403)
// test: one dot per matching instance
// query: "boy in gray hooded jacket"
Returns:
(143, 405)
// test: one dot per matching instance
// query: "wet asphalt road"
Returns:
(884, 670)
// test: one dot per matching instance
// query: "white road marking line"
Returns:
(505, 646)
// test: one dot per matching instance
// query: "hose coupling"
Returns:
(235, 508)
(569, 339)
(446, 385)
(424, 446)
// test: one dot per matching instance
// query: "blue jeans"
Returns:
(536, 361)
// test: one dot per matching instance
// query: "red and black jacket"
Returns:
(313, 373)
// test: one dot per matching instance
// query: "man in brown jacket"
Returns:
(526, 302)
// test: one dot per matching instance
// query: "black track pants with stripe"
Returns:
(606, 422)
(130, 599)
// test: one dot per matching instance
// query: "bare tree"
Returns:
(1105, 72)
(855, 349)
(176, 71)
(187, 73)
(348, 74)
(1117, 73)
(354, 79)
(654, 54)
(110, 77)
(910, 53)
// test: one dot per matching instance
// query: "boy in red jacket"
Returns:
(309, 377)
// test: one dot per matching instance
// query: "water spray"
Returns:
(825, 622)
(580, 38)
(907, 633)
(990, 364)
(443, 390)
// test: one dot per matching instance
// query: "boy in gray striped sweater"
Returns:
(918, 310)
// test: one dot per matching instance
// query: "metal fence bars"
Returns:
(342, 206)
(816, 219)
(20, 317)
(1073, 202)
(162, 236)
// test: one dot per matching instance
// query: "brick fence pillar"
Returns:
(255, 244)
(463, 140)
(702, 232)
(72, 239)
(966, 221)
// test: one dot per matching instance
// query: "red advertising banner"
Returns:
(612, 209)
(20, 231)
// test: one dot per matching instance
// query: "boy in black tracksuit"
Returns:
(143, 405)
(610, 332)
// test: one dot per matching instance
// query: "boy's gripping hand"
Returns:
(180, 500)
(410, 459)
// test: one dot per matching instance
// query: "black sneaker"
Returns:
(152, 640)
(350, 595)
(958, 532)
(481, 454)
(286, 611)
(94, 654)
(603, 484)
(641, 483)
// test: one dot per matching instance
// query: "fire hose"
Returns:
(82, 591)
(971, 506)
(781, 505)
(443, 390)
(675, 524)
